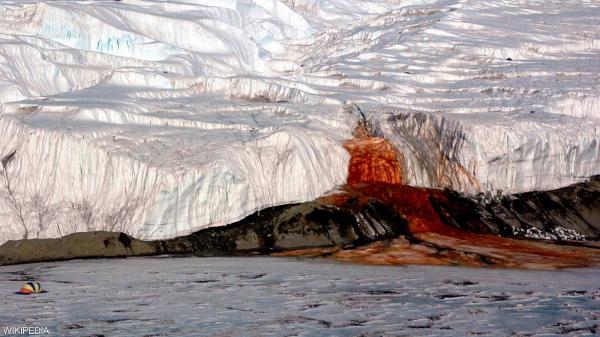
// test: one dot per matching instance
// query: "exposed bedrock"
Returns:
(570, 213)
(76, 246)
(307, 225)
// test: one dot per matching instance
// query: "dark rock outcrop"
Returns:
(306, 225)
(74, 246)
(569, 213)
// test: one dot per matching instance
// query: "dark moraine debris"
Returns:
(306, 225)
(569, 213)
(79, 245)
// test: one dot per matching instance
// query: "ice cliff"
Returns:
(159, 118)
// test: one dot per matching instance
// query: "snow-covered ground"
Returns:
(286, 297)
(160, 118)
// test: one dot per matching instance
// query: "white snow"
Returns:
(283, 297)
(557, 233)
(160, 118)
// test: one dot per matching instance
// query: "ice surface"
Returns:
(161, 118)
(283, 297)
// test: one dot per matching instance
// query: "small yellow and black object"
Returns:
(31, 288)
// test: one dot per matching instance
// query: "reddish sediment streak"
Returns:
(375, 171)
(373, 160)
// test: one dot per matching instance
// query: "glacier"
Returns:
(160, 118)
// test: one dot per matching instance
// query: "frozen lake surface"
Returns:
(265, 296)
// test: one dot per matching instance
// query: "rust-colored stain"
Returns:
(373, 160)
(375, 172)
(442, 244)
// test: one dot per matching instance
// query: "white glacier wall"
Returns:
(160, 118)
(83, 184)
